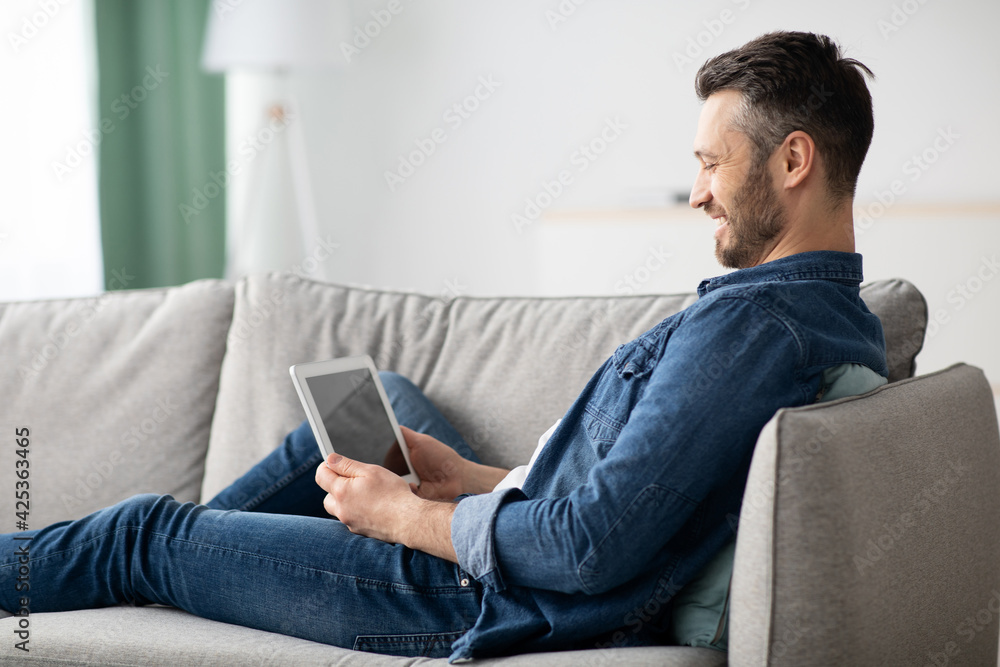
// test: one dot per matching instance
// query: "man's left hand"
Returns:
(374, 502)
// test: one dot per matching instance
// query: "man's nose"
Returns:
(701, 192)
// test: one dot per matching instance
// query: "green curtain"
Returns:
(162, 151)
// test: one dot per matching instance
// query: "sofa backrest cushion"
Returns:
(868, 533)
(903, 312)
(117, 392)
(502, 369)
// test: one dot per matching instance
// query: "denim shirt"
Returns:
(629, 498)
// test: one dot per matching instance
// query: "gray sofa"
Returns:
(180, 390)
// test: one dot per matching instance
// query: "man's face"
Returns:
(733, 188)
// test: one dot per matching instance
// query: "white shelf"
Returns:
(682, 212)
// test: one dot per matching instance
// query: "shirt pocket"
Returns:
(606, 414)
(602, 429)
(637, 358)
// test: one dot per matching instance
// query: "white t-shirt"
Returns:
(515, 478)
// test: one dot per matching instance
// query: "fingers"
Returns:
(344, 466)
(422, 491)
(336, 467)
(335, 475)
(410, 437)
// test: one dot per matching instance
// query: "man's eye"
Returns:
(709, 167)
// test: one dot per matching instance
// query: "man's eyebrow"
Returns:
(702, 155)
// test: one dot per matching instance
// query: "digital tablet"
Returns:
(350, 413)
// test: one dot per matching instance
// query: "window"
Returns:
(49, 227)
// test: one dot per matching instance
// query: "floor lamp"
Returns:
(273, 38)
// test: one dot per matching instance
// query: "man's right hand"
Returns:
(443, 473)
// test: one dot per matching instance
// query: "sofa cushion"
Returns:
(902, 310)
(502, 370)
(164, 637)
(117, 391)
(280, 319)
(868, 532)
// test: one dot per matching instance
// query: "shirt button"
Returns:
(465, 582)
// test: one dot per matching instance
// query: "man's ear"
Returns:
(798, 159)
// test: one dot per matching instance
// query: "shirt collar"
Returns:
(828, 264)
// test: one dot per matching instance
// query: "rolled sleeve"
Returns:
(472, 534)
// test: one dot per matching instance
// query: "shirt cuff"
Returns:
(472, 534)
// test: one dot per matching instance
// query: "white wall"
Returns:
(559, 84)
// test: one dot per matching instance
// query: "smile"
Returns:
(722, 223)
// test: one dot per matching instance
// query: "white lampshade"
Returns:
(275, 34)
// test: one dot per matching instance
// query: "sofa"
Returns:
(868, 533)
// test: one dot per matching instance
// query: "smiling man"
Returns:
(772, 193)
(627, 498)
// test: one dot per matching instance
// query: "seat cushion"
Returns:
(165, 637)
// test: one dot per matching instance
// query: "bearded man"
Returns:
(627, 498)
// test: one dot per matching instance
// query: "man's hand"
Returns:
(375, 502)
(439, 467)
(443, 473)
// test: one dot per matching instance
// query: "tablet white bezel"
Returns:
(300, 372)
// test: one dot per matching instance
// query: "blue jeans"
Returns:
(262, 554)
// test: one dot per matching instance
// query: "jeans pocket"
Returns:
(426, 644)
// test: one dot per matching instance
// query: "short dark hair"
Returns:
(798, 81)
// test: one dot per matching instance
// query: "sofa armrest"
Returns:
(869, 533)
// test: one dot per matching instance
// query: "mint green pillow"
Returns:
(701, 609)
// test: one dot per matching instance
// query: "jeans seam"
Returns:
(436, 590)
(75, 548)
(409, 638)
(374, 582)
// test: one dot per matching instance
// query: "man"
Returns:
(627, 498)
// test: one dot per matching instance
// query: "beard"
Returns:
(755, 219)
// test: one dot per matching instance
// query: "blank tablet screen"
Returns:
(355, 419)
